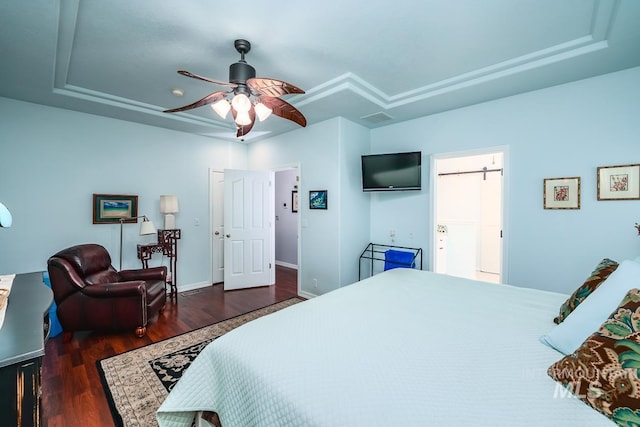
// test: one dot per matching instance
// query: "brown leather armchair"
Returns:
(92, 295)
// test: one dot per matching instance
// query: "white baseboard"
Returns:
(286, 264)
(306, 295)
(193, 286)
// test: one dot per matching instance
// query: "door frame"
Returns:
(212, 239)
(297, 166)
(432, 238)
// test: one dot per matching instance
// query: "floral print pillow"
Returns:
(603, 371)
(599, 275)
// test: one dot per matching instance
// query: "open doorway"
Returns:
(468, 214)
(286, 218)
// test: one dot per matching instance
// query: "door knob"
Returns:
(217, 233)
(228, 235)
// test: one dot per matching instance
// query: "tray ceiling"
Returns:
(366, 61)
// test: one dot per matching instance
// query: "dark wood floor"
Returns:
(72, 393)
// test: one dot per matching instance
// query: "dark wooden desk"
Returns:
(168, 246)
(22, 338)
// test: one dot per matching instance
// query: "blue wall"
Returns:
(563, 131)
(52, 160)
(328, 154)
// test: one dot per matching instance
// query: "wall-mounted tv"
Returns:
(392, 172)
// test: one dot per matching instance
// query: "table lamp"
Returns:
(146, 227)
(169, 206)
(5, 216)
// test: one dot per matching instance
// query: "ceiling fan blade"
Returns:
(272, 87)
(244, 129)
(206, 79)
(209, 99)
(282, 108)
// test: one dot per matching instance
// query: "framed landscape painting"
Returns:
(110, 208)
(619, 182)
(562, 193)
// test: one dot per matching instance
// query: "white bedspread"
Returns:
(402, 348)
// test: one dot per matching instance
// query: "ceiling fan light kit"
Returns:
(249, 96)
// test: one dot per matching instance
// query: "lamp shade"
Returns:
(147, 227)
(5, 216)
(168, 204)
(262, 111)
(221, 108)
(241, 103)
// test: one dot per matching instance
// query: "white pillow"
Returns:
(593, 311)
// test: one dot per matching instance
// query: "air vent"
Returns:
(377, 117)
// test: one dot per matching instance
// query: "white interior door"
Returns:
(490, 220)
(216, 185)
(248, 229)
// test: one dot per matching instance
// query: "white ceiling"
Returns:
(405, 58)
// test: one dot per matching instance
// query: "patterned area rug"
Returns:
(137, 382)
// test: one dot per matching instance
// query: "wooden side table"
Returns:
(168, 246)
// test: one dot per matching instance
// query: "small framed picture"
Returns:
(619, 182)
(294, 201)
(562, 193)
(318, 199)
(110, 208)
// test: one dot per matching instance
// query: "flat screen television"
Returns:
(392, 172)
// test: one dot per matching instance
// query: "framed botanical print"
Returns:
(619, 182)
(562, 193)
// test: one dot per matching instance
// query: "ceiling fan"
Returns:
(250, 96)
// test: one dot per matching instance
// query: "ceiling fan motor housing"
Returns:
(240, 72)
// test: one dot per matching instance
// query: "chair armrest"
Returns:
(116, 289)
(152, 273)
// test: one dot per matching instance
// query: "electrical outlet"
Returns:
(196, 222)
(314, 282)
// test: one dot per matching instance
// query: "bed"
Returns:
(401, 348)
